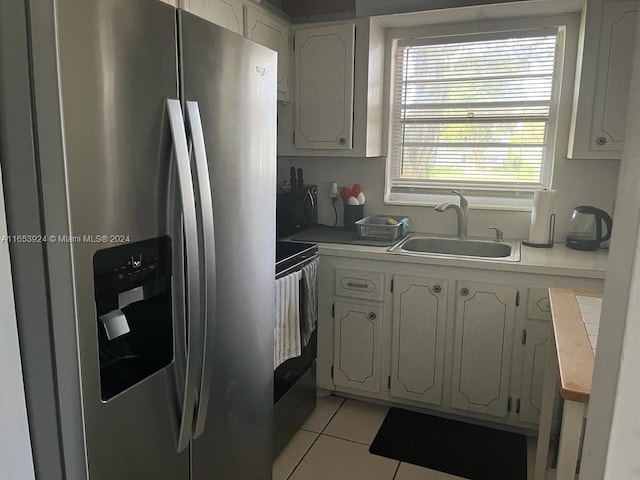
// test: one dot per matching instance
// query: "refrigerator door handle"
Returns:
(192, 269)
(208, 286)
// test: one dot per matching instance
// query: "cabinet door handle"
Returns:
(342, 141)
(372, 315)
(601, 140)
(464, 292)
(436, 289)
(357, 285)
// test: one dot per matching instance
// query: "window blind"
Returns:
(473, 112)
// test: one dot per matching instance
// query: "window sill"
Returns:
(475, 202)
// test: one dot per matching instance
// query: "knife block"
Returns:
(352, 213)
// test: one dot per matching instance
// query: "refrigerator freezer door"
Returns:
(117, 67)
(234, 82)
(192, 260)
(208, 264)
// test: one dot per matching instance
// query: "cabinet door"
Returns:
(226, 13)
(357, 344)
(485, 317)
(613, 75)
(273, 33)
(324, 59)
(536, 341)
(538, 306)
(419, 324)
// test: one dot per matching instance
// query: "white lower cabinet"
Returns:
(532, 340)
(535, 339)
(357, 345)
(418, 339)
(483, 344)
(458, 341)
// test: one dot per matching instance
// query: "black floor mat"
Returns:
(469, 451)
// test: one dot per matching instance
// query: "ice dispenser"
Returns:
(134, 312)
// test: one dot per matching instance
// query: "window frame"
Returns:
(566, 26)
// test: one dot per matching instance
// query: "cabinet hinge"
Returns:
(509, 404)
(392, 285)
(333, 312)
(524, 336)
(518, 406)
(293, 137)
(331, 371)
(518, 298)
(294, 42)
(389, 382)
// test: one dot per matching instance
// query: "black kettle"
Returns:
(585, 228)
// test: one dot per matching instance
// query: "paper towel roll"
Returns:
(543, 204)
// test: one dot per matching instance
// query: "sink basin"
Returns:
(423, 245)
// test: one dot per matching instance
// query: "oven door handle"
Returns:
(297, 266)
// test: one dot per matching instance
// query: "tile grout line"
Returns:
(348, 440)
(344, 400)
(315, 440)
(396, 472)
(302, 458)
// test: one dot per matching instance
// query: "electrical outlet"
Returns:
(334, 191)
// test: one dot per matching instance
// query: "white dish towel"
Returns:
(287, 328)
(310, 279)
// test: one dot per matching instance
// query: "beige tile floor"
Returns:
(333, 444)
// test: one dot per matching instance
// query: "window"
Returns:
(473, 112)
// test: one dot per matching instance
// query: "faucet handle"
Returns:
(463, 201)
(499, 234)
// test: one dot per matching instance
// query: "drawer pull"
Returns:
(357, 285)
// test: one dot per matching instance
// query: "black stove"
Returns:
(294, 381)
(290, 256)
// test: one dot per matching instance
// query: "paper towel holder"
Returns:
(552, 229)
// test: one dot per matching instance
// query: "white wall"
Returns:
(578, 182)
(612, 440)
(16, 460)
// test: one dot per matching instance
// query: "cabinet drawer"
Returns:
(358, 284)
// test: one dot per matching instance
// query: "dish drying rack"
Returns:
(382, 227)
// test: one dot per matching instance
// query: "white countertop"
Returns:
(590, 308)
(557, 260)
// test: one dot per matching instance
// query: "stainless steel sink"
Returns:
(454, 247)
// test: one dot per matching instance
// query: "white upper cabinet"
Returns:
(226, 13)
(274, 33)
(602, 79)
(337, 104)
(324, 87)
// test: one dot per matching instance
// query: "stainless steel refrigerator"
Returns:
(138, 160)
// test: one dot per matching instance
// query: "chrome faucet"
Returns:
(462, 212)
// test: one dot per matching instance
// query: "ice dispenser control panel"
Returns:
(133, 312)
